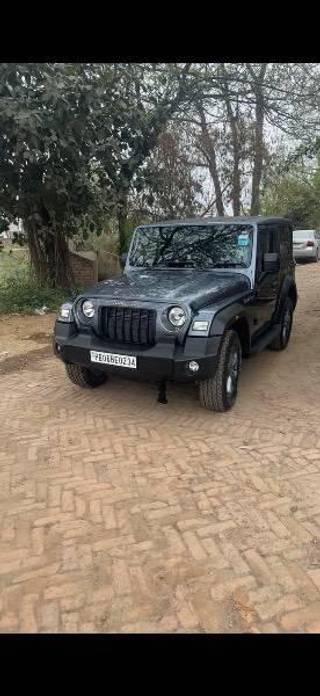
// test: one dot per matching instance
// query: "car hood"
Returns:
(190, 286)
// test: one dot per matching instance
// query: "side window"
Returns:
(285, 244)
(268, 242)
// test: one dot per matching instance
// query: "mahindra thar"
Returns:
(194, 297)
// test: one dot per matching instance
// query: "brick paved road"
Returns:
(119, 514)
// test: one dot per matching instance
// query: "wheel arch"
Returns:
(240, 325)
(288, 289)
(293, 295)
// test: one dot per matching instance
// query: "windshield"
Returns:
(301, 235)
(193, 246)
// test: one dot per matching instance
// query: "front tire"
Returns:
(219, 393)
(281, 342)
(83, 377)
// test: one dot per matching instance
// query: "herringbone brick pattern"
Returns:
(119, 514)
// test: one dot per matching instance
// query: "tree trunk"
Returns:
(258, 81)
(49, 255)
(63, 277)
(236, 183)
(258, 157)
(236, 148)
(210, 155)
(122, 216)
(236, 186)
(37, 255)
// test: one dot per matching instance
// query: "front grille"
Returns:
(129, 325)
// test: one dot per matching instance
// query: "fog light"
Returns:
(193, 366)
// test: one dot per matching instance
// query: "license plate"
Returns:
(114, 359)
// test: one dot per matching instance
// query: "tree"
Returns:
(295, 193)
(127, 120)
(224, 123)
(44, 156)
(207, 143)
(171, 188)
(245, 107)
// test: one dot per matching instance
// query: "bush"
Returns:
(20, 293)
(106, 241)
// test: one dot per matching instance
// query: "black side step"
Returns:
(266, 339)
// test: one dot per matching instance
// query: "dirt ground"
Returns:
(119, 514)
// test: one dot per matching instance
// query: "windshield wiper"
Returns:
(229, 264)
(176, 264)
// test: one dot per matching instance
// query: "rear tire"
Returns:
(286, 318)
(219, 393)
(83, 377)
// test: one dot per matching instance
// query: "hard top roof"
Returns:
(244, 219)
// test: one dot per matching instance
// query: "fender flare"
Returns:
(226, 316)
(288, 288)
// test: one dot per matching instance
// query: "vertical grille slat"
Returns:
(119, 324)
(143, 327)
(135, 323)
(111, 325)
(129, 325)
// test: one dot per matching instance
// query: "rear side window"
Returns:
(285, 244)
(268, 239)
(268, 242)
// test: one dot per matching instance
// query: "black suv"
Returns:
(194, 297)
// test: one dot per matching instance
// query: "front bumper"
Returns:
(165, 360)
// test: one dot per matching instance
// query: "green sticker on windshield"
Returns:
(243, 240)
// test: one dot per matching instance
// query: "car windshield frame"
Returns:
(146, 252)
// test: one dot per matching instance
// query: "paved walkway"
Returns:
(119, 514)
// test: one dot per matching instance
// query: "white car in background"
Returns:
(306, 245)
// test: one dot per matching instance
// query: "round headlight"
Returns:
(88, 309)
(177, 316)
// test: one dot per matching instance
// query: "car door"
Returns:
(267, 283)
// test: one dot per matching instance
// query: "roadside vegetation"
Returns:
(19, 289)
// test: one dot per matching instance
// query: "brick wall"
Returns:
(84, 267)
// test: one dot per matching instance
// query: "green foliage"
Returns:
(295, 194)
(131, 104)
(73, 139)
(24, 296)
(44, 155)
(105, 241)
(19, 291)
(108, 240)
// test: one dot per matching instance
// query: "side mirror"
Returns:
(123, 259)
(271, 263)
